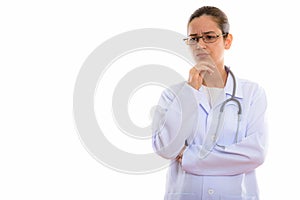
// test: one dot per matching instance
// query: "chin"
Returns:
(197, 59)
(203, 58)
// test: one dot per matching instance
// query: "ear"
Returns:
(228, 41)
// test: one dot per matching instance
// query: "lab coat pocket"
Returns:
(181, 196)
(230, 131)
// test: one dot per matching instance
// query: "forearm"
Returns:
(174, 124)
(235, 159)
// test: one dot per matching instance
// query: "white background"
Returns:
(42, 47)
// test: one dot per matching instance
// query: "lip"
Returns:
(202, 55)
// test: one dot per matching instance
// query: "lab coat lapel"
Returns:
(228, 89)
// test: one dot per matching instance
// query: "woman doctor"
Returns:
(214, 154)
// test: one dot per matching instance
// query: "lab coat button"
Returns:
(213, 138)
(211, 191)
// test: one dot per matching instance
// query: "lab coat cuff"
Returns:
(196, 93)
(189, 160)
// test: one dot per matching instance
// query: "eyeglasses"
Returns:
(208, 37)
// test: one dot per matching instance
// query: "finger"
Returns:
(209, 64)
(179, 156)
(195, 79)
(202, 74)
(199, 76)
(194, 74)
(180, 160)
(193, 70)
(205, 69)
(205, 66)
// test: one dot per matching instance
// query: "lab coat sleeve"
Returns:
(237, 158)
(174, 120)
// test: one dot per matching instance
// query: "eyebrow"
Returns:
(195, 34)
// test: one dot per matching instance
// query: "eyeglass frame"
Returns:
(203, 36)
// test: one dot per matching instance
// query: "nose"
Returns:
(200, 44)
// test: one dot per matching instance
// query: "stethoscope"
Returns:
(234, 99)
(213, 134)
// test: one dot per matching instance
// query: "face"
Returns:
(203, 50)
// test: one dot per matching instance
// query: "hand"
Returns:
(179, 157)
(197, 73)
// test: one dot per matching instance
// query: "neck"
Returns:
(224, 75)
(217, 80)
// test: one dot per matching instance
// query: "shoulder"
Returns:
(249, 85)
(250, 89)
(170, 92)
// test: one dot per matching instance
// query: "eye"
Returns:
(210, 37)
(193, 39)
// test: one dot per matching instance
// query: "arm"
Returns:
(237, 158)
(174, 120)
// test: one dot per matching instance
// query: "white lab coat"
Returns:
(228, 172)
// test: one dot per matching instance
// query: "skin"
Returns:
(209, 58)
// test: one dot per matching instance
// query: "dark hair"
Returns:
(218, 16)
